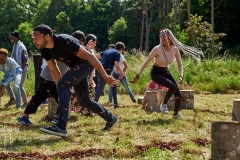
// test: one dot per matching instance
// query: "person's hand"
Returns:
(180, 80)
(136, 78)
(120, 76)
(90, 44)
(110, 80)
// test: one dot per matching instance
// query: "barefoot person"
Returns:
(164, 54)
(68, 50)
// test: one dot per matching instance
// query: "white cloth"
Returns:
(17, 56)
(121, 65)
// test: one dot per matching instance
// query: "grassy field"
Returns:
(138, 135)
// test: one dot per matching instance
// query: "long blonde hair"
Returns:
(187, 50)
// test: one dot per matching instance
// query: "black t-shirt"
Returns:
(65, 49)
(109, 57)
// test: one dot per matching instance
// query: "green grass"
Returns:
(138, 135)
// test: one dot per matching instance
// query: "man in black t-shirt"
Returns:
(67, 49)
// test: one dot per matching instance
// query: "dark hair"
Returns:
(80, 36)
(111, 46)
(16, 34)
(44, 29)
(90, 37)
(4, 51)
(120, 45)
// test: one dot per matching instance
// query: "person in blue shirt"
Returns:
(12, 72)
(110, 59)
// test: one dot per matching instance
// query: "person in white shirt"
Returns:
(124, 81)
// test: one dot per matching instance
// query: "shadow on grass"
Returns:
(17, 144)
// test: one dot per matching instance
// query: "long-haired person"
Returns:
(163, 55)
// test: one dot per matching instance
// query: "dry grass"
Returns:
(138, 135)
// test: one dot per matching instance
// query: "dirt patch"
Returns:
(201, 142)
(172, 146)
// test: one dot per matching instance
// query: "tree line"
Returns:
(134, 22)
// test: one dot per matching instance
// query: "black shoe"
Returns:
(109, 125)
(116, 106)
(134, 101)
(55, 131)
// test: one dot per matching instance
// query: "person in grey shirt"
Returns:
(20, 55)
(46, 88)
(12, 72)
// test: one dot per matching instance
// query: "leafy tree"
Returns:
(118, 31)
(203, 34)
(12, 13)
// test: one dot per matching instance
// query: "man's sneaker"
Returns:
(10, 102)
(134, 101)
(24, 106)
(116, 106)
(54, 120)
(109, 125)
(18, 107)
(178, 116)
(164, 108)
(55, 131)
(24, 120)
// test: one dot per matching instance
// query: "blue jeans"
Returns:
(124, 82)
(76, 77)
(17, 89)
(101, 85)
(23, 93)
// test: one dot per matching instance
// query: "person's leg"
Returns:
(100, 86)
(45, 90)
(114, 91)
(109, 94)
(23, 93)
(124, 82)
(84, 100)
(12, 99)
(166, 79)
(17, 91)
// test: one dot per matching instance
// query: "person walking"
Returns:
(165, 54)
(123, 65)
(20, 55)
(109, 59)
(12, 72)
(67, 49)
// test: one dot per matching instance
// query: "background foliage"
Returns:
(99, 16)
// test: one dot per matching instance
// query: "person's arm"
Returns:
(24, 60)
(125, 66)
(11, 74)
(151, 56)
(54, 70)
(180, 67)
(84, 54)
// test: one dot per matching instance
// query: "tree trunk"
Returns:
(225, 141)
(190, 22)
(175, 18)
(147, 27)
(142, 31)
